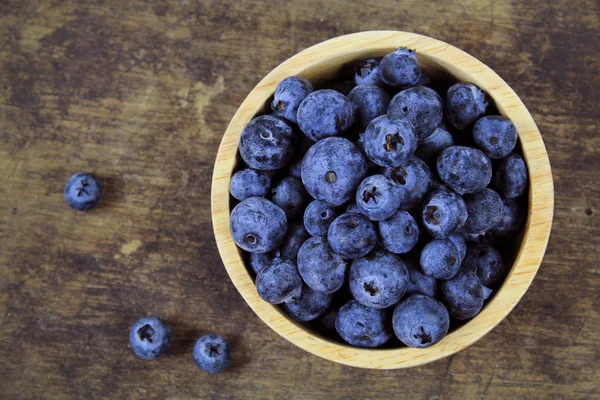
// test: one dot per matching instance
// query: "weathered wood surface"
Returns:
(141, 92)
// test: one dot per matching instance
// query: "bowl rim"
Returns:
(464, 67)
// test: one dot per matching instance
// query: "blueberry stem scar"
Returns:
(146, 332)
(81, 188)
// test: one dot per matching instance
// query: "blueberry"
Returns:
(325, 113)
(487, 263)
(308, 306)
(512, 218)
(321, 268)
(461, 245)
(421, 105)
(318, 216)
(400, 68)
(257, 225)
(325, 323)
(332, 169)
(414, 178)
(496, 136)
(369, 102)
(295, 169)
(290, 195)
(440, 259)
(258, 261)
(288, 95)
(149, 338)
(211, 353)
(487, 292)
(363, 326)
(389, 140)
(420, 283)
(420, 321)
(443, 213)
(463, 294)
(295, 238)
(399, 233)
(378, 280)
(279, 281)
(377, 197)
(465, 104)
(484, 209)
(510, 176)
(82, 191)
(367, 73)
(267, 143)
(249, 182)
(353, 208)
(464, 169)
(431, 146)
(352, 235)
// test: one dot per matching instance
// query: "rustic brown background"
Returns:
(140, 93)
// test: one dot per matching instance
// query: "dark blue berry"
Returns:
(400, 68)
(249, 182)
(82, 191)
(420, 321)
(211, 353)
(399, 233)
(369, 102)
(288, 95)
(325, 323)
(421, 105)
(443, 213)
(389, 140)
(367, 73)
(308, 306)
(379, 279)
(487, 263)
(318, 216)
(484, 209)
(279, 281)
(353, 208)
(414, 178)
(332, 169)
(496, 136)
(463, 294)
(512, 219)
(440, 259)
(464, 169)
(321, 268)
(377, 197)
(149, 338)
(419, 282)
(465, 104)
(352, 235)
(461, 245)
(510, 176)
(363, 326)
(258, 261)
(295, 169)
(290, 195)
(325, 113)
(431, 146)
(257, 225)
(267, 143)
(295, 238)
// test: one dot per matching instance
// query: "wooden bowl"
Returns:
(323, 61)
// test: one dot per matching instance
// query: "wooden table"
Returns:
(140, 92)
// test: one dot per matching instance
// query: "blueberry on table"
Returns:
(420, 321)
(308, 306)
(149, 338)
(512, 218)
(318, 216)
(422, 106)
(510, 176)
(463, 294)
(295, 238)
(363, 326)
(443, 213)
(440, 259)
(400, 68)
(320, 267)
(369, 102)
(379, 279)
(495, 135)
(367, 73)
(288, 95)
(377, 197)
(399, 233)
(431, 146)
(389, 140)
(82, 191)
(279, 281)
(332, 169)
(290, 195)
(211, 353)
(414, 178)
(249, 182)
(487, 263)
(464, 169)
(485, 210)
(352, 235)
(258, 225)
(420, 283)
(465, 104)
(325, 113)
(267, 143)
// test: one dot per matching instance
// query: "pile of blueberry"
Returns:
(389, 209)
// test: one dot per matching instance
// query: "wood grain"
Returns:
(140, 92)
